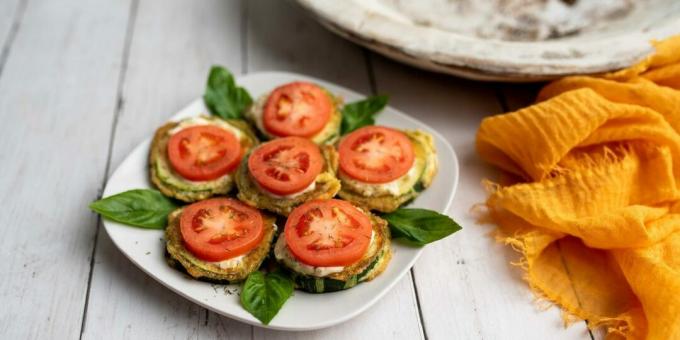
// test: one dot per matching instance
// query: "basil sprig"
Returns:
(361, 113)
(263, 295)
(420, 226)
(144, 208)
(223, 97)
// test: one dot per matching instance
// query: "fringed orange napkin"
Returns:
(594, 207)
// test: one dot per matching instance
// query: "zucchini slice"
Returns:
(181, 258)
(326, 186)
(314, 284)
(426, 162)
(328, 135)
(171, 184)
(368, 267)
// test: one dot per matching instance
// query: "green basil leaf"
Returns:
(263, 295)
(420, 226)
(361, 113)
(223, 97)
(139, 207)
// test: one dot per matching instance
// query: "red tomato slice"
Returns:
(376, 154)
(324, 233)
(203, 152)
(220, 228)
(297, 109)
(285, 165)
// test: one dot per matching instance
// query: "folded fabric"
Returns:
(592, 199)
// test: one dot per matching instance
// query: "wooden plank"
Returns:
(282, 37)
(57, 98)
(395, 316)
(466, 287)
(173, 46)
(11, 13)
(514, 97)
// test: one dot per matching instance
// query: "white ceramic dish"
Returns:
(424, 38)
(302, 311)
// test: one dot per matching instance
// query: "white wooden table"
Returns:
(82, 82)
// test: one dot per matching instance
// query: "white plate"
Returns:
(302, 311)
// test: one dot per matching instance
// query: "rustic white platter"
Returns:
(302, 311)
(433, 34)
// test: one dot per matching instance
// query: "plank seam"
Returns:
(129, 31)
(420, 312)
(244, 36)
(503, 102)
(369, 69)
(566, 269)
(11, 35)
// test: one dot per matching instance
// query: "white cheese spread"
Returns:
(310, 187)
(202, 120)
(283, 254)
(229, 263)
(396, 187)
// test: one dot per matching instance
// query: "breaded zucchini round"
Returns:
(166, 177)
(284, 180)
(231, 270)
(297, 109)
(388, 196)
(371, 261)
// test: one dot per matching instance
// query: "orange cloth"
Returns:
(594, 204)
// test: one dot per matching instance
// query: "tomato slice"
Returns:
(218, 229)
(297, 109)
(285, 165)
(376, 154)
(203, 152)
(324, 233)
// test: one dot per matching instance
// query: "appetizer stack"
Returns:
(310, 196)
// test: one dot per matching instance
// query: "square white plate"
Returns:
(302, 311)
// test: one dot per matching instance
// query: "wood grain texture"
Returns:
(282, 37)
(57, 99)
(393, 317)
(514, 97)
(319, 53)
(466, 287)
(173, 45)
(75, 95)
(11, 14)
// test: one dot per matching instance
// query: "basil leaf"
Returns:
(263, 295)
(361, 113)
(223, 97)
(420, 226)
(139, 207)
